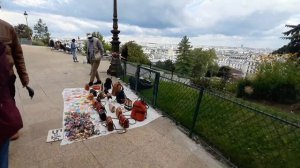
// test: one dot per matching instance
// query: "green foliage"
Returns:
(203, 64)
(247, 137)
(38, 43)
(224, 73)
(202, 61)
(135, 53)
(242, 84)
(231, 87)
(294, 36)
(23, 31)
(166, 65)
(41, 32)
(274, 81)
(277, 81)
(184, 58)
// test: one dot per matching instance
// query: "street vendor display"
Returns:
(89, 112)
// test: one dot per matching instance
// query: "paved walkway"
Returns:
(158, 144)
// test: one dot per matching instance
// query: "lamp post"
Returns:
(115, 68)
(115, 39)
(26, 15)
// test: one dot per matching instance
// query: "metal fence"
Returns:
(248, 137)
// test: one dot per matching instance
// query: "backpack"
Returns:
(139, 110)
(141, 85)
(107, 84)
(121, 97)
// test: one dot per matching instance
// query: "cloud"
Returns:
(40, 3)
(219, 22)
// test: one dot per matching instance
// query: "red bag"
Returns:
(123, 121)
(139, 110)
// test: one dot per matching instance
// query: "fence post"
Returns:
(125, 70)
(155, 89)
(150, 71)
(196, 111)
(137, 77)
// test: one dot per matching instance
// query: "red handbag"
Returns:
(139, 110)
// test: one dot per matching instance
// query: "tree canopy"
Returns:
(184, 59)
(293, 35)
(202, 61)
(135, 53)
(41, 32)
(23, 31)
(167, 65)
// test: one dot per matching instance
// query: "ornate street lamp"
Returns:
(26, 15)
(115, 68)
(115, 39)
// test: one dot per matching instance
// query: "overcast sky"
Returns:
(253, 23)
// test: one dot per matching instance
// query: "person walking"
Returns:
(10, 119)
(73, 50)
(95, 53)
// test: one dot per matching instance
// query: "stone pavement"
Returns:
(158, 144)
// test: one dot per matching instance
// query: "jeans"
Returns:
(4, 154)
(74, 55)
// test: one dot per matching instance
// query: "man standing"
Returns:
(95, 53)
(11, 54)
(73, 50)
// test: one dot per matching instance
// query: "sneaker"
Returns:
(90, 83)
(98, 82)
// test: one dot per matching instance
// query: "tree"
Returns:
(202, 62)
(167, 65)
(294, 45)
(184, 61)
(41, 32)
(23, 31)
(135, 53)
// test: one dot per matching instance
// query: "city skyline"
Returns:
(233, 23)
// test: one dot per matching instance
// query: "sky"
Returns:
(251, 23)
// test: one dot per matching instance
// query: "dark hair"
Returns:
(73, 40)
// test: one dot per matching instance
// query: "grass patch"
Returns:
(247, 137)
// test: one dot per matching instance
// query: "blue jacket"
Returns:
(73, 46)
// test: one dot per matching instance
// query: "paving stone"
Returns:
(110, 148)
(158, 144)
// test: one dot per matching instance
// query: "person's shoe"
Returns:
(98, 82)
(15, 137)
(90, 83)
